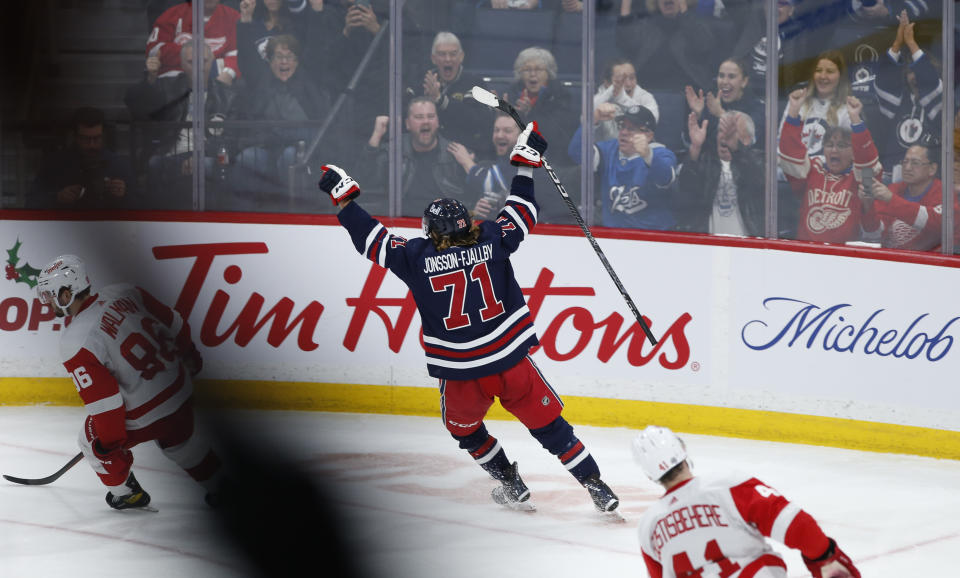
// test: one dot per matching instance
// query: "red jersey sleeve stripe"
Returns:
(163, 396)
(373, 253)
(525, 214)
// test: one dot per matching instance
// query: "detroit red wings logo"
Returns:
(823, 219)
(902, 233)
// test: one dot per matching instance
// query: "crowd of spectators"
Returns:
(679, 112)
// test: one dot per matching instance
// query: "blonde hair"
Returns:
(444, 242)
(843, 86)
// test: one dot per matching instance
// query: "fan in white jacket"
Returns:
(619, 95)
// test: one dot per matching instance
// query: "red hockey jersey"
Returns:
(830, 211)
(718, 528)
(174, 28)
(912, 225)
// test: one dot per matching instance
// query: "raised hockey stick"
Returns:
(49, 479)
(488, 98)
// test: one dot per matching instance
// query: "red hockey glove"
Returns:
(117, 461)
(833, 564)
(338, 184)
(529, 148)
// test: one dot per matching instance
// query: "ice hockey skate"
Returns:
(603, 497)
(137, 498)
(512, 492)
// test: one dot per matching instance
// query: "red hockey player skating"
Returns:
(718, 528)
(132, 361)
(477, 329)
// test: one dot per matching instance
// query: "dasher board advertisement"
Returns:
(737, 327)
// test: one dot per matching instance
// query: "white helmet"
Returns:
(66, 271)
(657, 450)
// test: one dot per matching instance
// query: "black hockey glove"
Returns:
(529, 148)
(338, 184)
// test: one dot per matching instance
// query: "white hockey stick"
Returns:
(488, 98)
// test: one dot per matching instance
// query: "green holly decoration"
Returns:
(25, 274)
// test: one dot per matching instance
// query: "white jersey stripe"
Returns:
(517, 341)
(779, 530)
(105, 404)
(490, 454)
(521, 201)
(922, 217)
(493, 336)
(576, 461)
(382, 253)
(163, 410)
(516, 219)
(371, 238)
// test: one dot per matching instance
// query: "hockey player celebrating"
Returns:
(132, 360)
(477, 330)
(717, 528)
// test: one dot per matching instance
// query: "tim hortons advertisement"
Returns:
(298, 303)
(735, 327)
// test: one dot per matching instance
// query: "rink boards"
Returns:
(838, 346)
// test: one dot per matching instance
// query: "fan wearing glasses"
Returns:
(910, 210)
(830, 210)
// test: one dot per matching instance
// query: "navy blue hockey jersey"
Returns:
(475, 318)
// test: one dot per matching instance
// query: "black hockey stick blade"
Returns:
(489, 99)
(49, 479)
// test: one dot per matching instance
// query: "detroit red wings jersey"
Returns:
(704, 529)
(174, 28)
(830, 210)
(912, 224)
(121, 350)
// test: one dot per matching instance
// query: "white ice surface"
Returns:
(421, 508)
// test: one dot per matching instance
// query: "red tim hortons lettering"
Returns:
(583, 322)
(247, 324)
(203, 255)
(368, 303)
(582, 319)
